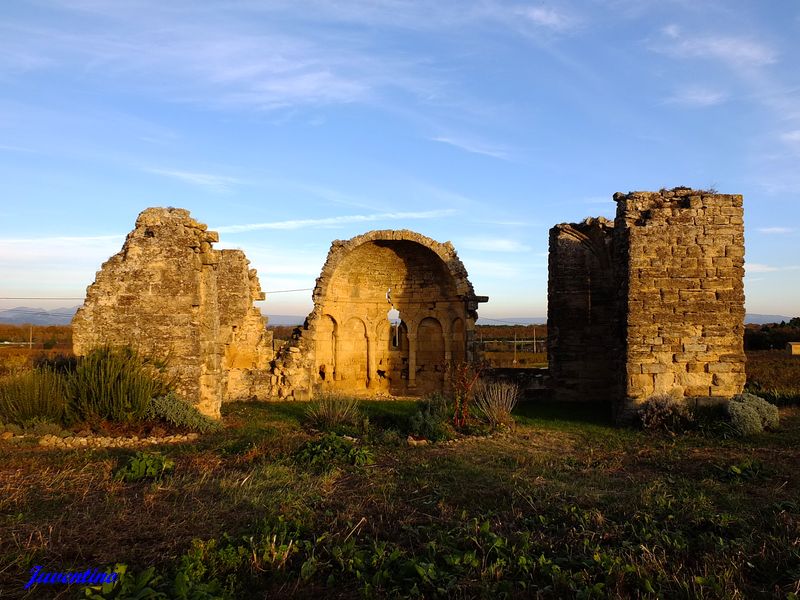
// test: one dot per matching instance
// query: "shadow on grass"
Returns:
(563, 414)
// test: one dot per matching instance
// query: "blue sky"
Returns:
(286, 125)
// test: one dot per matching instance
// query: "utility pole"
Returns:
(30, 337)
(515, 347)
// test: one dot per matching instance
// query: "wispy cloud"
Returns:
(335, 221)
(762, 268)
(792, 137)
(697, 97)
(734, 51)
(775, 230)
(545, 16)
(59, 249)
(490, 269)
(206, 180)
(9, 148)
(494, 245)
(473, 147)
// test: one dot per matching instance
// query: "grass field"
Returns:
(565, 505)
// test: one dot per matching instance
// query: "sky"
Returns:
(285, 125)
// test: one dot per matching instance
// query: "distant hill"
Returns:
(284, 320)
(37, 316)
(757, 319)
(63, 316)
(513, 321)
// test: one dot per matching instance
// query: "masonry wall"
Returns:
(582, 344)
(247, 345)
(355, 346)
(171, 295)
(679, 260)
(653, 304)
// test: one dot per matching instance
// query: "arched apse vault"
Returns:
(417, 282)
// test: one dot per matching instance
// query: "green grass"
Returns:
(563, 505)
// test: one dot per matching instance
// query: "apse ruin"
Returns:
(170, 294)
(651, 303)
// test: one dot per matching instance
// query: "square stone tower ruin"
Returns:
(651, 304)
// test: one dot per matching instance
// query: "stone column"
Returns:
(371, 366)
(412, 360)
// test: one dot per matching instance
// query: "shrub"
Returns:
(744, 418)
(330, 449)
(332, 411)
(177, 412)
(496, 400)
(60, 363)
(768, 414)
(42, 428)
(38, 395)
(115, 384)
(145, 465)
(664, 412)
(432, 418)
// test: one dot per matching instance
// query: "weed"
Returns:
(664, 412)
(331, 411)
(177, 412)
(463, 377)
(114, 384)
(143, 586)
(27, 398)
(495, 401)
(330, 449)
(145, 465)
(431, 420)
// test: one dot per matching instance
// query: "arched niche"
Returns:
(367, 277)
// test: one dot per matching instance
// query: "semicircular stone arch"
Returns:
(366, 276)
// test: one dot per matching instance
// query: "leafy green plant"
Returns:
(331, 411)
(177, 412)
(495, 400)
(427, 424)
(115, 384)
(142, 586)
(666, 413)
(145, 465)
(34, 396)
(331, 449)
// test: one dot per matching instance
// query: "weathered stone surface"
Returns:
(581, 304)
(171, 295)
(356, 348)
(674, 259)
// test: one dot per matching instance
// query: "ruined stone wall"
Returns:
(247, 345)
(171, 295)
(680, 267)
(652, 305)
(355, 346)
(581, 301)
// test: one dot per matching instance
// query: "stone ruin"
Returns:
(357, 348)
(172, 296)
(651, 303)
